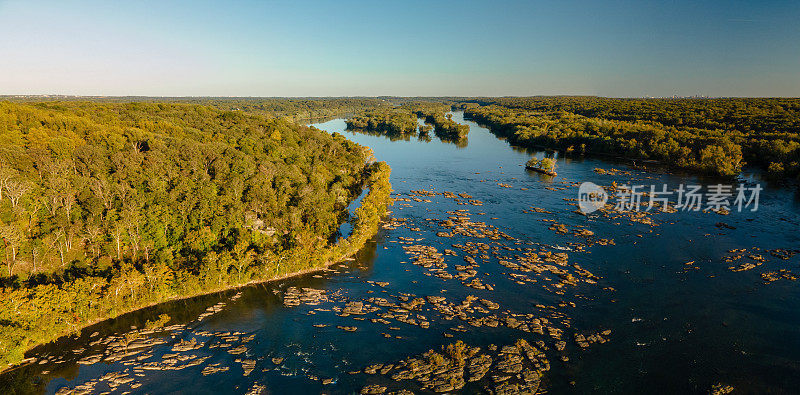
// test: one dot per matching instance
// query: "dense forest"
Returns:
(392, 122)
(748, 115)
(291, 109)
(107, 207)
(713, 136)
(298, 109)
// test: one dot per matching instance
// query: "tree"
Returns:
(13, 238)
(544, 164)
(16, 190)
(6, 175)
(242, 258)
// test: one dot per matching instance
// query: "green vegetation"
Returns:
(291, 109)
(109, 207)
(713, 136)
(713, 154)
(545, 165)
(297, 109)
(445, 127)
(457, 352)
(389, 122)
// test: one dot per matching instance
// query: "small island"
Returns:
(545, 166)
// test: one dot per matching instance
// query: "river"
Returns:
(617, 302)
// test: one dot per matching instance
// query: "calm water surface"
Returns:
(674, 327)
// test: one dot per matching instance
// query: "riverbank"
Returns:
(303, 259)
(700, 153)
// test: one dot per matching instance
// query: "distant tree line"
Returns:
(292, 109)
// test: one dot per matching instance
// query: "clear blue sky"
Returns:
(406, 48)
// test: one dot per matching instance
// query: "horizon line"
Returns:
(674, 96)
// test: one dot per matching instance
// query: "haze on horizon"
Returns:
(355, 48)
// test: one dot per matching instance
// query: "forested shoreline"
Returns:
(709, 136)
(107, 208)
(444, 126)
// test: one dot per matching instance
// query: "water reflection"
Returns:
(420, 135)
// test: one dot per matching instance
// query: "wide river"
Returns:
(612, 302)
